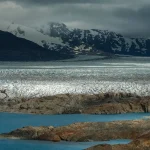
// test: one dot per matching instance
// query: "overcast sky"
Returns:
(130, 17)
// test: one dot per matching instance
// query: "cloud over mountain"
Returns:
(129, 17)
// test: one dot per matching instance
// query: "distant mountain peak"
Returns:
(57, 25)
(94, 41)
(31, 34)
(58, 37)
(54, 29)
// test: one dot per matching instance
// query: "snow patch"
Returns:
(30, 34)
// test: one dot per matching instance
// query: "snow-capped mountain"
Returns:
(67, 42)
(54, 29)
(18, 42)
(94, 41)
(31, 34)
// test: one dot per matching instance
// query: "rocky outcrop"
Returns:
(101, 147)
(80, 132)
(140, 143)
(103, 103)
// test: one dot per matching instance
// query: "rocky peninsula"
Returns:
(81, 132)
(140, 143)
(102, 103)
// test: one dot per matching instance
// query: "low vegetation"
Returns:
(102, 103)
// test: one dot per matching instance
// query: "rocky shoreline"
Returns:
(103, 103)
(140, 143)
(136, 130)
(82, 132)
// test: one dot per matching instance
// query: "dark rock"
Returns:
(13, 48)
(101, 147)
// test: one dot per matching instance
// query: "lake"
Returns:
(9, 122)
(36, 145)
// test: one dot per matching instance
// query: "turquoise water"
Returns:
(36, 145)
(9, 122)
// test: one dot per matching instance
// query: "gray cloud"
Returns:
(130, 17)
(44, 2)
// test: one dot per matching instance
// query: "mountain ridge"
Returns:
(20, 49)
(74, 42)
(94, 41)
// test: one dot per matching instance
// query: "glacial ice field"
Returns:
(130, 74)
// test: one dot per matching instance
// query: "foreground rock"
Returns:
(103, 103)
(83, 131)
(140, 143)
